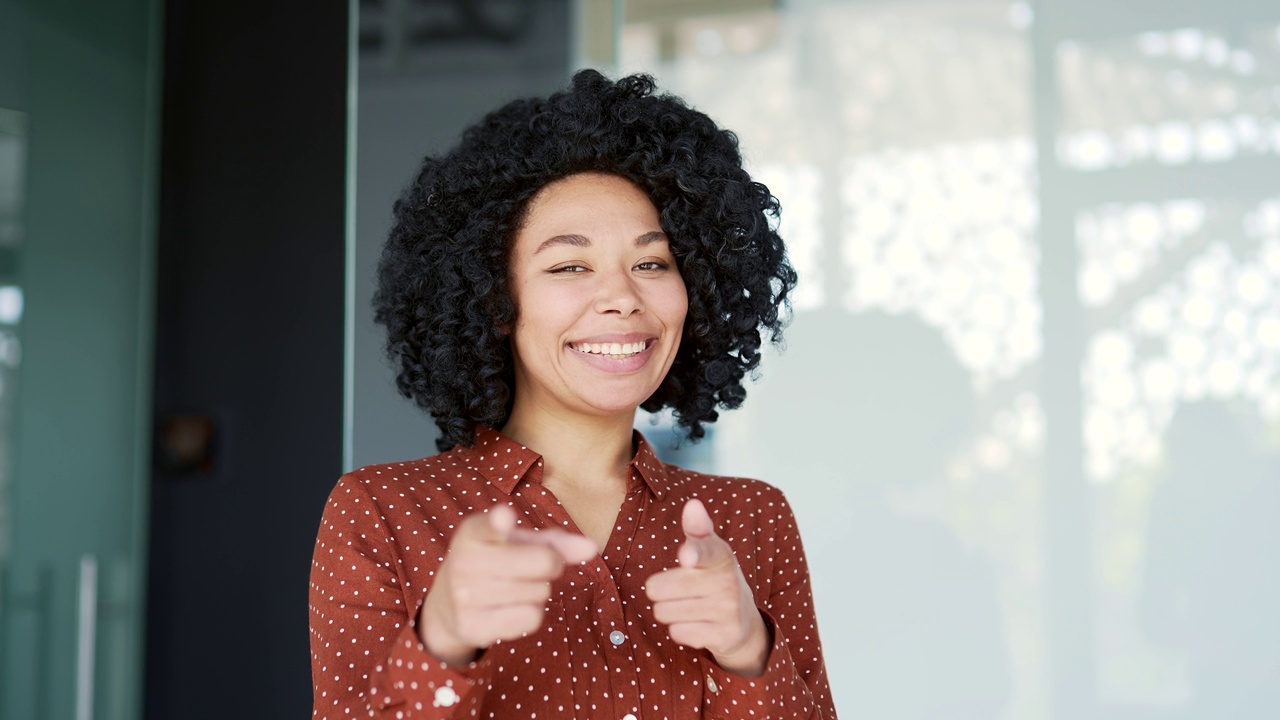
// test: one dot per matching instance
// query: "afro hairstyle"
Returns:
(443, 290)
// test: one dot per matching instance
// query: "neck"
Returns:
(576, 451)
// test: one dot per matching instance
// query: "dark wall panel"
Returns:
(250, 332)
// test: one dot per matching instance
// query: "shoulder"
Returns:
(424, 476)
(416, 502)
(727, 495)
(440, 464)
(751, 515)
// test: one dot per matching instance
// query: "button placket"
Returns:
(615, 622)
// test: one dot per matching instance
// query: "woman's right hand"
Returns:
(494, 583)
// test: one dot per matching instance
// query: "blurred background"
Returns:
(1028, 412)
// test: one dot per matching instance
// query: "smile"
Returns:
(617, 351)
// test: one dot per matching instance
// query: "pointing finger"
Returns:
(571, 547)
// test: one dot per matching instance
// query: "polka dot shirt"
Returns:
(600, 654)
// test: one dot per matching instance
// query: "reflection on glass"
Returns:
(902, 140)
(12, 177)
(907, 604)
(898, 138)
(1172, 135)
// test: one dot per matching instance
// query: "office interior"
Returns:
(1027, 412)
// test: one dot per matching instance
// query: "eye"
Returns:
(653, 265)
(567, 269)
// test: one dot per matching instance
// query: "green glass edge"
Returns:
(349, 233)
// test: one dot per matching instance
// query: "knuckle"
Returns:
(529, 618)
(532, 592)
(681, 634)
(464, 627)
(469, 528)
(727, 583)
(550, 562)
(662, 613)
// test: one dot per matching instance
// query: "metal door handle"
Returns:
(86, 636)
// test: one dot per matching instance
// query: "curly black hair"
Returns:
(443, 288)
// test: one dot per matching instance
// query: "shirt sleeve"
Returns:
(794, 683)
(367, 660)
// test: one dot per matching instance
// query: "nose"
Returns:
(618, 294)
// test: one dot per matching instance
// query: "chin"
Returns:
(616, 403)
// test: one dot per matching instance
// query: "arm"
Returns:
(794, 683)
(759, 637)
(366, 657)
(380, 649)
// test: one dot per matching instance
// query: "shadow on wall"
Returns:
(1212, 585)
(865, 409)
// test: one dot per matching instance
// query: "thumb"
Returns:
(695, 521)
(501, 522)
(698, 528)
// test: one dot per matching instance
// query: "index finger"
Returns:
(493, 526)
(571, 548)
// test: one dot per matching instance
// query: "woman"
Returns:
(576, 257)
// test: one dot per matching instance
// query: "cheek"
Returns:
(547, 312)
(676, 304)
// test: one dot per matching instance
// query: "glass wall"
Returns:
(424, 72)
(79, 92)
(1029, 408)
(13, 147)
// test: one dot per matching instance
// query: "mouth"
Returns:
(615, 351)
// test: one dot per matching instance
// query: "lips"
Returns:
(615, 353)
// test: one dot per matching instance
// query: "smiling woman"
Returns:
(576, 258)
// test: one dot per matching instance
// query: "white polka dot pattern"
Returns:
(599, 654)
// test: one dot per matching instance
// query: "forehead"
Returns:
(584, 197)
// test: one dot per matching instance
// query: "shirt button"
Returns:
(617, 638)
(628, 716)
(445, 697)
(711, 685)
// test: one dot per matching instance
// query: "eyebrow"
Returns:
(648, 238)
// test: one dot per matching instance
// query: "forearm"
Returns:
(407, 682)
(367, 658)
(779, 691)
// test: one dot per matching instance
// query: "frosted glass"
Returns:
(1029, 408)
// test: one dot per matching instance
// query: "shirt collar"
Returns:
(649, 467)
(505, 462)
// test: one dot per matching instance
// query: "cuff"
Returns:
(424, 684)
(778, 692)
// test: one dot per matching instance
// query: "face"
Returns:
(600, 302)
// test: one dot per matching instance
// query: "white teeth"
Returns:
(614, 349)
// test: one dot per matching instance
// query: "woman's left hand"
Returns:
(705, 603)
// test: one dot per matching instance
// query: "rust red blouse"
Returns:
(599, 654)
